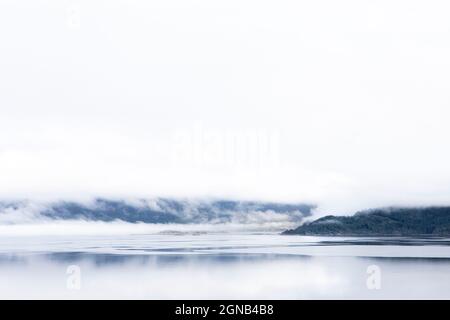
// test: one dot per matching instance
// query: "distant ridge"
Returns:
(428, 221)
(158, 210)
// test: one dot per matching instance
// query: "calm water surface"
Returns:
(223, 266)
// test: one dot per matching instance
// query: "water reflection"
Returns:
(224, 267)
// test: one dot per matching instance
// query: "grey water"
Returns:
(228, 265)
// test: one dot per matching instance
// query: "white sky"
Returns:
(343, 103)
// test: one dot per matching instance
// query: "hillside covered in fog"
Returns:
(433, 221)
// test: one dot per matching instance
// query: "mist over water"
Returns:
(203, 249)
(311, 108)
